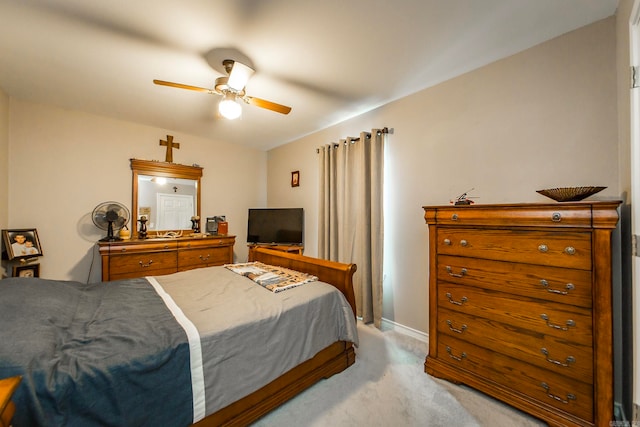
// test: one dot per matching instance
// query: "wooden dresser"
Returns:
(520, 305)
(152, 257)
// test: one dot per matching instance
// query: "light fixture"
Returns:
(229, 107)
(239, 76)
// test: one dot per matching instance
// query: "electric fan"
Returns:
(110, 216)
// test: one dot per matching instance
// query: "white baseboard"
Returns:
(414, 333)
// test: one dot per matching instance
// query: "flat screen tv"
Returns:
(283, 226)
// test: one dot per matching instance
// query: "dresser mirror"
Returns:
(166, 194)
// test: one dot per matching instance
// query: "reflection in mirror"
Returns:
(167, 194)
(168, 203)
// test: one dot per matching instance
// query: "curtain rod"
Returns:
(385, 130)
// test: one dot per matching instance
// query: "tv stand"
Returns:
(295, 249)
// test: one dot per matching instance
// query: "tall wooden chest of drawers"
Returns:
(520, 305)
(153, 257)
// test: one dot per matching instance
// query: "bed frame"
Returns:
(332, 360)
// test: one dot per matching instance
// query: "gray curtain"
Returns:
(351, 214)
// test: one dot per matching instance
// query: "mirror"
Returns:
(168, 194)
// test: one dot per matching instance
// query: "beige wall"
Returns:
(545, 117)
(64, 163)
(4, 156)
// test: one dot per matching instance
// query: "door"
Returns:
(174, 211)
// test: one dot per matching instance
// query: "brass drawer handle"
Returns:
(463, 242)
(147, 264)
(462, 301)
(543, 248)
(458, 331)
(570, 250)
(452, 274)
(570, 396)
(570, 323)
(454, 217)
(566, 363)
(447, 242)
(556, 217)
(454, 357)
(204, 258)
(568, 287)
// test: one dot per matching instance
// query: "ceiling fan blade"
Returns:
(278, 108)
(183, 86)
(239, 76)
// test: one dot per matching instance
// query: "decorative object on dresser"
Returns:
(570, 194)
(20, 248)
(520, 305)
(153, 257)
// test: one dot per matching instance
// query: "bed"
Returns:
(206, 346)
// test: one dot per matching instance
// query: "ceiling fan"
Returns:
(232, 89)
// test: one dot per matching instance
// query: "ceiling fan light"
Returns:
(239, 76)
(229, 107)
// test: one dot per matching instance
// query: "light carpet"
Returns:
(387, 386)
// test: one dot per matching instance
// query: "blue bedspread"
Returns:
(79, 357)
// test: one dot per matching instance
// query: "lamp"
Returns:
(229, 107)
(239, 76)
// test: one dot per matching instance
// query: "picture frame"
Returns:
(295, 179)
(21, 243)
(26, 270)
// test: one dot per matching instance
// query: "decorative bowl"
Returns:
(570, 194)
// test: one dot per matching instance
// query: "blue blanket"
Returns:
(111, 354)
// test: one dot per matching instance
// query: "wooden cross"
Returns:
(170, 145)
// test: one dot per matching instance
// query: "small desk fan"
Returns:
(110, 216)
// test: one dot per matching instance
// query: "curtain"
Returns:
(351, 215)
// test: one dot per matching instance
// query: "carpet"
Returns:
(387, 386)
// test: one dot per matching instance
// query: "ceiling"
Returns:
(330, 60)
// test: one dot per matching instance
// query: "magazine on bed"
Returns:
(275, 279)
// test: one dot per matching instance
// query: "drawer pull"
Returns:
(454, 217)
(570, 396)
(570, 250)
(569, 360)
(143, 265)
(452, 274)
(454, 357)
(568, 287)
(462, 301)
(570, 323)
(463, 242)
(204, 258)
(123, 249)
(447, 242)
(556, 217)
(543, 248)
(458, 331)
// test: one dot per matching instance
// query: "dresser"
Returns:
(520, 305)
(153, 257)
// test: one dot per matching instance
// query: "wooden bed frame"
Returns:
(333, 359)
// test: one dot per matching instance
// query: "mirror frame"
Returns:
(161, 169)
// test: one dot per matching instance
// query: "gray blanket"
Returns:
(114, 354)
(107, 354)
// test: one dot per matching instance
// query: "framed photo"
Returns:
(21, 243)
(295, 179)
(26, 270)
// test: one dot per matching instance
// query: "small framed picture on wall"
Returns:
(295, 179)
(26, 270)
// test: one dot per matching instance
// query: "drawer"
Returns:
(569, 249)
(556, 216)
(206, 242)
(149, 246)
(203, 257)
(560, 285)
(522, 379)
(142, 264)
(544, 351)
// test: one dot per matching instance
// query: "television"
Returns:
(281, 226)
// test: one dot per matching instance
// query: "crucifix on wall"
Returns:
(170, 146)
